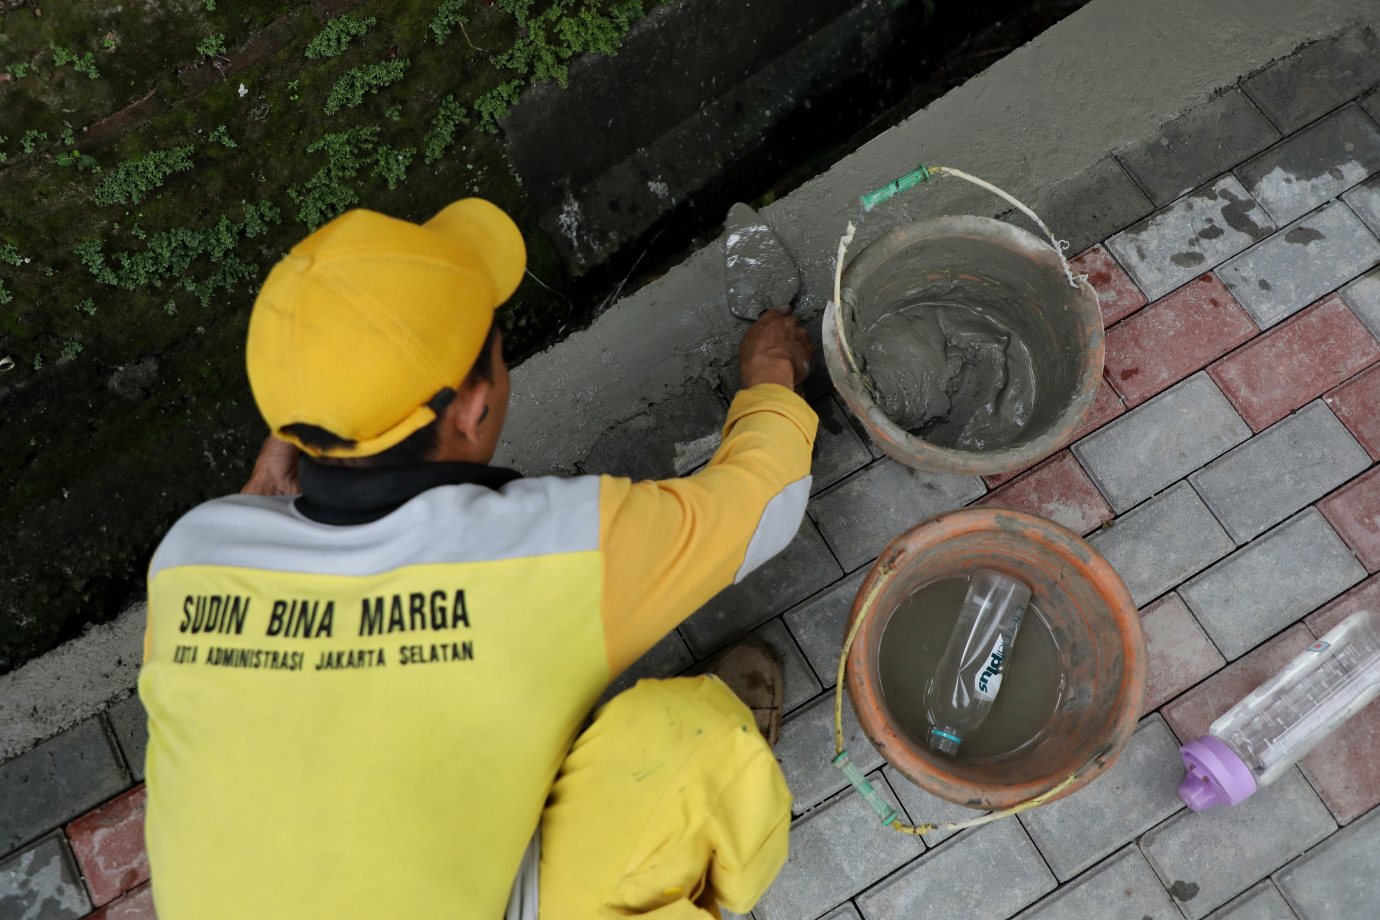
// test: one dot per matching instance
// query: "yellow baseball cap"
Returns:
(370, 317)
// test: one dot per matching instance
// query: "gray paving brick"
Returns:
(1315, 254)
(1316, 79)
(1162, 542)
(1271, 582)
(801, 569)
(801, 685)
(845, 911)
(57, 781)
(42, 883)
(1201, 143)
(817, 625)
(1089, 207)
(1371, 103)
(806, 750)
(1261, 902)
(836, 850)
(1138, 792)
(131, 724)
(862, 514)
(1364, 199)
(986, 873)
(1320, 162)
(1193, 235)
(1363, 296)
(667, 658)
(1206, 858)
(1123, 886)
(670, 439)
(925, 808)
(1296, 461)
(1340, 878)
(1161, 441)
(838, 448)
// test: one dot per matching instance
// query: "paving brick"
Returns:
(1057, 489)
(1198, 145)
(1191, 714)
(1207, 858)
(1160, 441)
(817, 624)
(1180, 653)
(667, 658)
(835, 850)
(1106, 406)
(923, 808)
(1319, 162)
(1364, 199)
(1357, 404)
(1365, 596)
(806, 750)
(1271, 582)
(845, 911)
(131, 724)
(1164, 541)
(860, 515)
(1315, 254)
(801, 569)
(58, 780)
(1342, 767)
(1363, 295)
(1195, 233)
(986, 873)
(801, 685)
(1256, 485)
(1174, 337)
(108, 843)
(1123, 886)
(1116, 292)
(1316, 79)
(1339, 879)
(1138, 792)
(1295, 363)
(1261, 902)
(137, 905)
(1354, 512)
(41, 883)
(1371, 103)
(838, 449)
(1091, 206)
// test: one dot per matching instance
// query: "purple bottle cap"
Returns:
(1216, 776)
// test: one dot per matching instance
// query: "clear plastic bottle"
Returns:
(1259, 738)
(969, 675)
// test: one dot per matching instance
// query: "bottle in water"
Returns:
(1259, 738)
(969, 675)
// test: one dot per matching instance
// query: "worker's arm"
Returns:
(670, 546)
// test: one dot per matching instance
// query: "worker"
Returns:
(366, 700)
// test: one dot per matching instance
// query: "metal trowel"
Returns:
(761, 274)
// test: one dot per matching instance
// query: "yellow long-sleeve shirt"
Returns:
(364, 720)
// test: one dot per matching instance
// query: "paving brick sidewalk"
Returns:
(1226, 471)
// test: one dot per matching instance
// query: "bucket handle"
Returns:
(920, 174)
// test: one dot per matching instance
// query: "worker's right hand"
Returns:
(775, 349)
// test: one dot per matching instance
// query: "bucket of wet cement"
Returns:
(1072, 688)
(975, 355)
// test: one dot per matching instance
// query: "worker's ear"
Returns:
(468, 410)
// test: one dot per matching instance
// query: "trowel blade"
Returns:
(761, 274)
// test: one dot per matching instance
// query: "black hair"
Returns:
(420, 445)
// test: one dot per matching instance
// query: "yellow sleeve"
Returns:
(669, 546)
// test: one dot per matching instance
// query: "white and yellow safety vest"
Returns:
(362, 719)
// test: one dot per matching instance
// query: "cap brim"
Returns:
(493, 236)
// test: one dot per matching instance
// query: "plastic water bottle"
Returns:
(1259, 738)
(969, 675)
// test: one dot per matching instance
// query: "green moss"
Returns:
(133, 179)
(30, 138)
(11, 255)
(448, 16)
(494, 104)
(222, 137)
(336, 35)
(4, 294)
(87, 306)
(330, 191)
(71, 348)
(63, 57)
(348, 92)
(212, 45)
(444, 127)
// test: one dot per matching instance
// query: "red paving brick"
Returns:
(137, 905)
(1354, 512)
(1106, 406)
(1057, 489)
(1357, 404)
(1365, 596)
(109, 845)
(1297, 361)
(1116, 292)
(1191, 714)
(1180, 653)
(1173, 337)
(1343, 766)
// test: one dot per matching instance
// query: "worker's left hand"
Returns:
(275, 472)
